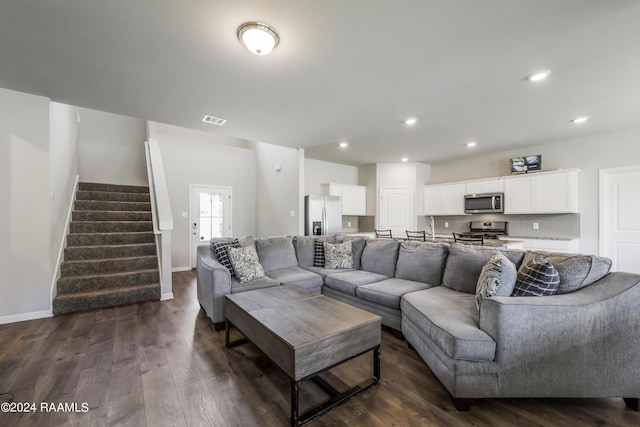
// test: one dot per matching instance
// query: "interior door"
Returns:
(210, 216)
(396, 207)
(619, 219)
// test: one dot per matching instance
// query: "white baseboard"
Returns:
(178, 269)
(13, 318)
(167, 296)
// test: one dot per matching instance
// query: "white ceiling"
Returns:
(344, 70)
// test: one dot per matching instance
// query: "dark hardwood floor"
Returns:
(162, 364)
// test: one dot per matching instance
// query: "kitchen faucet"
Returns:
(432, 228)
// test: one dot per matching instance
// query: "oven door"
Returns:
(483, 203)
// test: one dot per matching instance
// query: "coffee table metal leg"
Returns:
(227, 340)
(376, 364)
(295, 402)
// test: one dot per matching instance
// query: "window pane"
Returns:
(205, 229)
(216, 227)
(205, 204)
(216, 205)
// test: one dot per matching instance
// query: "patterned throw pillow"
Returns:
(245, 263)
(318, 253)
(498, 277)
(221, 249)
(338, 255)
(536, 277)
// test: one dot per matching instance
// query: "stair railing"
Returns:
(161, 214)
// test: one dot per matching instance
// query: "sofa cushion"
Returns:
(259, 283)
(357, 246)
(536, 277)
(465, 263)
(380, 256)
(498, 277)
(422, 261)
(245, 263)
(276, 253)
(576, 270)
(449, 320)
(221, 249)
(348, 281)
(324, 271)
(296, 276)
(388, 292)
(338, 255)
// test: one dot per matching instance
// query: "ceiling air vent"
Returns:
(214, 120)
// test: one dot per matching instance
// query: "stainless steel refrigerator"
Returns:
(322, 215)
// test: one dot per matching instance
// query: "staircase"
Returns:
(110, 258)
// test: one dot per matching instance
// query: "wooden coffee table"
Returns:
(305, 334)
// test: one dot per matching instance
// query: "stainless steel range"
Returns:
(491, 229)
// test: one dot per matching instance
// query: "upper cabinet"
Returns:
(354, 197)
(542, 193)
(444, 199)
(484, 186)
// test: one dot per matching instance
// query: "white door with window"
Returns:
(210, 215)
(619, 218)
(396, 207)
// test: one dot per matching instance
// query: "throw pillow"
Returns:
(221, 249)
(497, 278)
(338, 255)
(318, 253)
(536, 277)
(245, 263)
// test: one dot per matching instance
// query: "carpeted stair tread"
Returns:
(91, 215)
(112, 196)
(93, 186)
(111, 265)
(110, 226)
(94, 239)
(74, 253)
(102, 205)
(79, 301)
(91, 282)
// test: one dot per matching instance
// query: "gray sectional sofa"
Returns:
(582, 342)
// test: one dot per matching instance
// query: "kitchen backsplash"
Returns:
(558, 226)
(358, 224)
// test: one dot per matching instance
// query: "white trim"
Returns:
(13, 318)
(179, 269)
(63, 244)
(167, 296)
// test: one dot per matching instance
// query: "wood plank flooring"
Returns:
(162, 364)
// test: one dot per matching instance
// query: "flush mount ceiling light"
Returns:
(471, 144)
(579, 120)
(344, 144)
(411, 121)
(258, 37)
(538, 75)
(405, 159)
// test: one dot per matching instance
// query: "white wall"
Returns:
(63, 161)
(25, 261)
(111, 148)
(193, 157)
(589, 154)
(277, 192)
(317, 172)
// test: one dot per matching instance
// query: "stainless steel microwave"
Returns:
(484, 203)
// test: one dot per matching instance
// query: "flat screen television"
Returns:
(526, 164)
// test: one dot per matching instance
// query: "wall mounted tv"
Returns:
(526, 164)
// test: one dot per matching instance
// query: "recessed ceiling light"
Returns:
(344, 144)
(579, 120)
(411, 121)
(538, 75)
(405, 159)
(471, 144)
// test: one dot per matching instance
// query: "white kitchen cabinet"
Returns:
(444, 199)
(484, 186)
(542, 193)
(354, 197)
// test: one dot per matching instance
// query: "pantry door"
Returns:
(619, 218)
(396, 206)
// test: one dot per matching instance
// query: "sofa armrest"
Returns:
(213, 283)
(573, 343)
